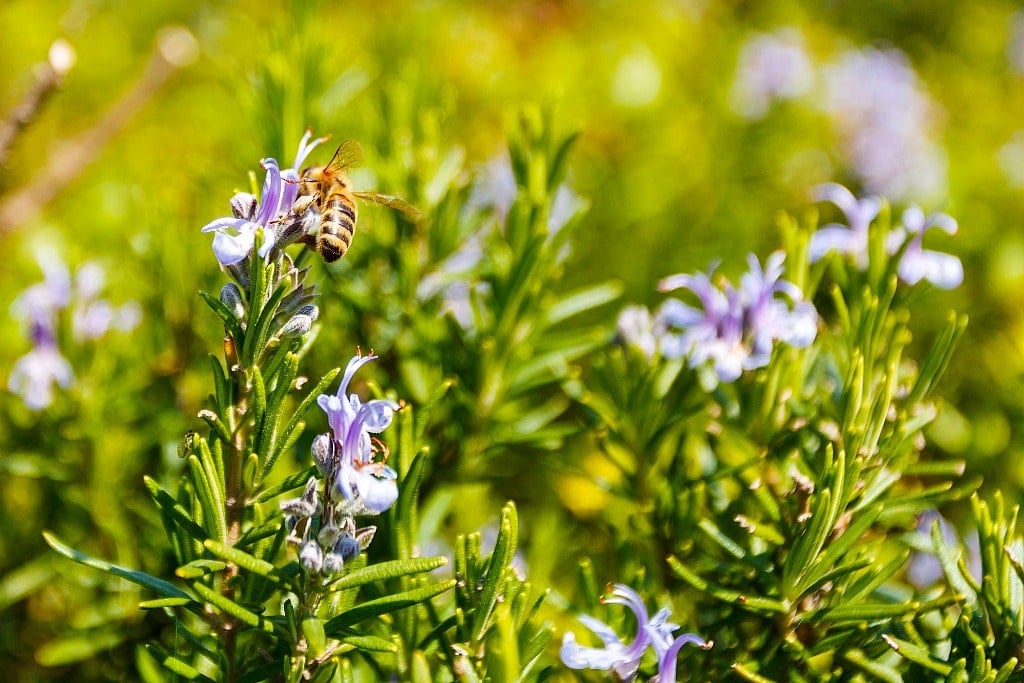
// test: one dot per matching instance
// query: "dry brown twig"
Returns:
(48, 77)
(175, 48)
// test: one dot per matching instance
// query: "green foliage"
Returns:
(778, 515)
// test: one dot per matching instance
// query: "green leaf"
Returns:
(752, 603)
(260, 332)
(384, 605)
(582, 300)
(290, 483)
(258, 404)
(199, 568)
(231, 324)
(948, 557)
(865, 611)
(300, 411)
(808, 544)
(494, 579)
(388, 570)
(405, 510)
(313, 632)
(916, 654)
(560, 159)
(175, 665)
(258, 533)
(208, 496)
(244, 560)
(173, 508)
(79, 647)
(141, 578)
(162, 603)
(424, 412)
(234, 609)
(25, 580)
(882, 672)
(369, 643)
(838, 548)
(222, 387)
(283, 381)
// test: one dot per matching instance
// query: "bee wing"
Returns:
(389, 200)
(348, 155)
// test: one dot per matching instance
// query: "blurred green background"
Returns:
(698, 120)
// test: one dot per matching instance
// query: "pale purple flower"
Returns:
(91, 317)
(40, 303)
(617, 656)
(236, 234)
(367, 487)
(771, 66)
(851, 239)
(917, 263)
(34, 375)
(624, 659)
(668, 651)
(735, 329)
(770, 319)
(40, 306)
(885, 118)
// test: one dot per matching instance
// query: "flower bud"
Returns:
(323, 453)
(231, 296)
(311, 557)
(333, 563)
(311, 310)
(243, 205)
(329, 535)
(297, 326)
(347, 548)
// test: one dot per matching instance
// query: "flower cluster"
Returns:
(39, 307)
(355, 483)
(275, 213)
(624, 659)
(735, 329)
(916, 263)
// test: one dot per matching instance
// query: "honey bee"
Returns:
(327, 190)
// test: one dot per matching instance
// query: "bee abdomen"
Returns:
(332, 247)
(338, 205)
(335, 237)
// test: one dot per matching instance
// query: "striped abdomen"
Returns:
(338, 226)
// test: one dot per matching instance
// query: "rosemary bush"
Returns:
(457, 454)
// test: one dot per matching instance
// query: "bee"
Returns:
(328, 192)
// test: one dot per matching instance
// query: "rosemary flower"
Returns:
(236, 234)
(366, 487)
(624, 659)
(735, 329)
